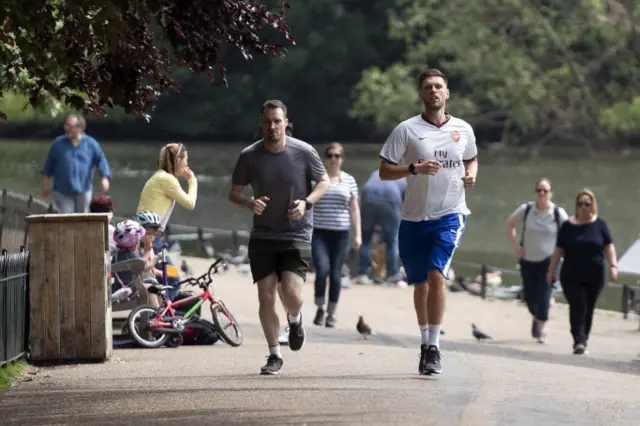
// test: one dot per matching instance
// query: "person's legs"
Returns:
(528, 274)
(542, 298)
(368, 218)
(445, 236)
(82, 202)
(262, 261)
(592, 292)
(575, 295)
(65, 204)
(390, 224)
(338, 249)
(320, 257)
(293, 265)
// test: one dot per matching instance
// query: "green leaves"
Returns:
(547, 67)
(93, 58)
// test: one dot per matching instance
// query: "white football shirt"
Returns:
(416, 140)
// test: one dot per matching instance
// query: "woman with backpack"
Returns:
(541, 219)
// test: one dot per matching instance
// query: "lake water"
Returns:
(503, 184)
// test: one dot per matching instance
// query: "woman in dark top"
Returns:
(584, 241)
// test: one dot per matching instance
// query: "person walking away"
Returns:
(541, 219)
(104, 204)
(437, 154)
(584, 241)
(70, 163)
(334, 215)
(162, 191)
(280, 170)
(381, 205)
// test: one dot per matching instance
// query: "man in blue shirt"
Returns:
(380, 205)
(70, 163)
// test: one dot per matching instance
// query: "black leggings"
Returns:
(536, 289)
(582, 297)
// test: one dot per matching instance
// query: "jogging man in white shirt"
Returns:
(437, 154)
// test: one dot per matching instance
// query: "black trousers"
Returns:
(582, 297)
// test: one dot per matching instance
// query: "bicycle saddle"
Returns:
(157, 289)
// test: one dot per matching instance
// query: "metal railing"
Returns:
(630, 300)
(14, 305)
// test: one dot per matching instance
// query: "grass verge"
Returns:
(9, 371)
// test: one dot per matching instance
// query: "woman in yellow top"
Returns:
(162, 191)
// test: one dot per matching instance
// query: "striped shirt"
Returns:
(332, 211)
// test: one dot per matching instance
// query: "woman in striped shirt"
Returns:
(333, 217)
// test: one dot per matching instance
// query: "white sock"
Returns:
(434, 336)
(293, 319)
(275, 350)
(424, 332)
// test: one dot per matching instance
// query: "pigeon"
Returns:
(479, 335)
(364, 329)
(186, 268)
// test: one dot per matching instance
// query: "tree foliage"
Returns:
(96, 55)
(541, 71)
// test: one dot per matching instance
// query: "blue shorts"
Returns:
(429, 245)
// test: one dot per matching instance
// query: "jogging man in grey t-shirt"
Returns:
(280, 170)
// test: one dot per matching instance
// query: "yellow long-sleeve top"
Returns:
(162, 189)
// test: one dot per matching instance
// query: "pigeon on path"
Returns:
(188, 271)
(478, 334)
(364, 329)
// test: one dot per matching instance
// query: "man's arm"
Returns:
(236, 196)
(392, 154)
(47, 170)
(322, 185)
(391, 171)
(101, 161)
(471, 167)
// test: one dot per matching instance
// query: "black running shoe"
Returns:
(273, 365)
(319, 317)
(296, 335)
(429, 360)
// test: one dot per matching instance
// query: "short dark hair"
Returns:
(273, 104)
(431, 73)
(289, 129)
(101, 204)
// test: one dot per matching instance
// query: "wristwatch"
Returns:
(308, 203)
(412, 169)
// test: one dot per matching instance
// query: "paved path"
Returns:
(338, 379)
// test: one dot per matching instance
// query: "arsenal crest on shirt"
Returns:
(455, 135)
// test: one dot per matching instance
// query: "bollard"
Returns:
(483, 281)
(625, 302)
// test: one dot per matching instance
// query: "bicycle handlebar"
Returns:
(205, 279)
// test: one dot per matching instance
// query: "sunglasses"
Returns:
(333, 155)
(542, 190)
(584, 204)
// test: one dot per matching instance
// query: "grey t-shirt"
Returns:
(284, 177)
(541, 231)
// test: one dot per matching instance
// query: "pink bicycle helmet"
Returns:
(128, 233)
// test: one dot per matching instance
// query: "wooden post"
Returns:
(70, 300)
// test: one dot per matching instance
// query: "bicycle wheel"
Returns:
(138, 323)
(221, 315)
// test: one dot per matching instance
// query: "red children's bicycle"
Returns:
(153, 327)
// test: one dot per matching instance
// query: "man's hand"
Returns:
(429, 167)
(104, 184)
(469, 180)
(298, 210)
(258, 206)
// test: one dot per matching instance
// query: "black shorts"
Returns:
(269, 256)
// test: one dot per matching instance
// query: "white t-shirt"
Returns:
(414, 141)
(333, 211)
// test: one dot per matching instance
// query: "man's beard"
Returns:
(273, 137)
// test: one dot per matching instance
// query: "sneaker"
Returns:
(534, 329)
(273, 365)
(284, 337)
(429, 360)
(579, 349)
(542, 337)
(401, 284)
(363, 280)
(319, 317)
(296, 335)
(330, 321)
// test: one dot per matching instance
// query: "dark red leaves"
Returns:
(112, 55)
